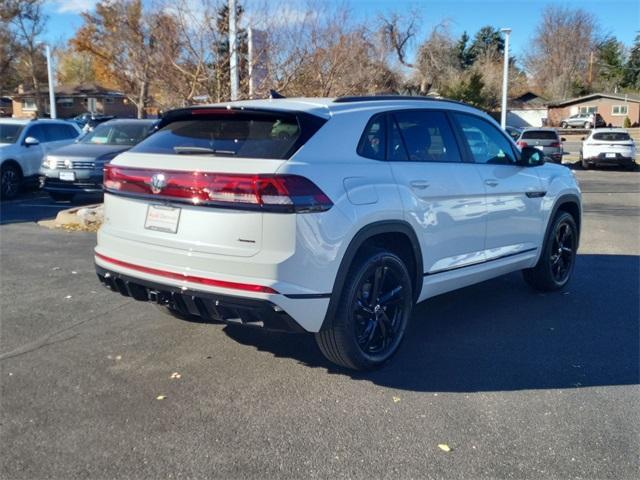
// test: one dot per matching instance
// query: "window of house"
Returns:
(29, 104)
(65, 102)
(589, 109)
(619, 110)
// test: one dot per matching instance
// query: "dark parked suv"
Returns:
(78, 167)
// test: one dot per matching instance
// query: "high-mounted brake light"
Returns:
(273, 193)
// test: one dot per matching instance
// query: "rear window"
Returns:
(233, 134)
(9, 133)
(612, 136)
(539, 135)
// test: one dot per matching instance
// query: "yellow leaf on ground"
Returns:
(444, 447)
(396, 399)
(161, 397)
(175, 375)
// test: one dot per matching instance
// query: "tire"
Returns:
(587, 125)
(61, 197)
(363, 335)
(557, 260)
(10, 181)
(564, 125)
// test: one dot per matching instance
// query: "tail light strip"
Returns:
(273, 193)
(188, 278)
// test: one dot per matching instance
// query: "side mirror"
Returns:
(31, 142)
(531, 157)
(562, 139)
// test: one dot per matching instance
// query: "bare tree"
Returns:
(558, 59)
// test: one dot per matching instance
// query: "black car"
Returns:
(78, 167)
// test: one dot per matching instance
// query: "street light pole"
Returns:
(233, 53)
(52, 93)
(505, 77)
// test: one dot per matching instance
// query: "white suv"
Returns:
(331, 216)
(23, 145)
(608, 146)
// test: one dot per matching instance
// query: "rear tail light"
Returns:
(522, 144)
(555, 144)
(274, 193)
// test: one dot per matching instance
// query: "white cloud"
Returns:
(74, 6)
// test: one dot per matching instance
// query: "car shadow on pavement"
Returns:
(36, 206)
(501, 335)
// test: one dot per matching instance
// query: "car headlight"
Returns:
(49, 163)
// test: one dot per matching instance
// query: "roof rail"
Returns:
(367, 98)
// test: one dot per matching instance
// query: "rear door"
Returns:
(514, 194)
(442, 196)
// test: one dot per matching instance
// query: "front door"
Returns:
(443, 197)
(514, 194)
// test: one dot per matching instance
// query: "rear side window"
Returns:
(539, 135)
(62, 132)
(612, 136)
(487, 143)
(231, 133)
(373, 141)
(425, 135)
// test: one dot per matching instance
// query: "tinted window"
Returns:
(118, 134)
(227, 134)
(9, 133)
(37, 132)
(486, 142)
(396, 150)
(539, 135)
(612, 136)
(372, 143)
(427, 136)
(61, 132)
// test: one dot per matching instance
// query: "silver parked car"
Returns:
(544, 139)
(583, 120)
(78, 168)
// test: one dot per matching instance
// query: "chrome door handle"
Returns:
(419, 184)
(491, 183)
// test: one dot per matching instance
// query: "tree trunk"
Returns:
(142, 99)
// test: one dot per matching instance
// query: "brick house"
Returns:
(72, 100)
(614, 108)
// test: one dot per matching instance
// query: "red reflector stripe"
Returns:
(189, 278)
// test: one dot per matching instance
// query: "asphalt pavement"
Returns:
(518, 384)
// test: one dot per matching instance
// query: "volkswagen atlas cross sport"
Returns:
(331, 216)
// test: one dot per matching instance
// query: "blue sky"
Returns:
(616, 17)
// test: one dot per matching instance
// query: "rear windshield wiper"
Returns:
(201, 151)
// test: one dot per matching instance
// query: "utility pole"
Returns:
(52, 93)
(250, 54)
(233, 51)
(505, 77)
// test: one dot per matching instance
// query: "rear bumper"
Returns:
(602, 159)
(209, 306)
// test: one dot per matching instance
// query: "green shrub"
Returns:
(627, 122)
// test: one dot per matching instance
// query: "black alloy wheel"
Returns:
(10, 181)
(558, 257)
(372, 315)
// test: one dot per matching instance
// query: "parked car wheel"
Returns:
(61, 197)
(564, 125)
(371, 318)
(555, 266)
(10, 181)
(588, 125)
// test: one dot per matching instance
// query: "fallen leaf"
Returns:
(68, 297)
(161, 397)
(73, 272)
(175, 375)
(444, 447)
(118, 357)
(396, 399)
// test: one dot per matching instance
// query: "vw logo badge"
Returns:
(158, 182)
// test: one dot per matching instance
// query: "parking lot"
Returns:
(518, 384)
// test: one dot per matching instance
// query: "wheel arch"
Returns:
(11, 161)
(570, 203)
(377, 234)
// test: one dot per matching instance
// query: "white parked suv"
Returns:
(331, 216)
(608, 146)
(23, 145)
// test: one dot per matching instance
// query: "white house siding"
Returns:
(530, 117)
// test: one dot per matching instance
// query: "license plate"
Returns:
(68, 176)
(540, 147)
(611, 155)
(162, 218)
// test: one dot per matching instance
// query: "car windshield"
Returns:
(612, 136)
(243, 135)
(9, 133)
(539, 135)
(127, 134)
